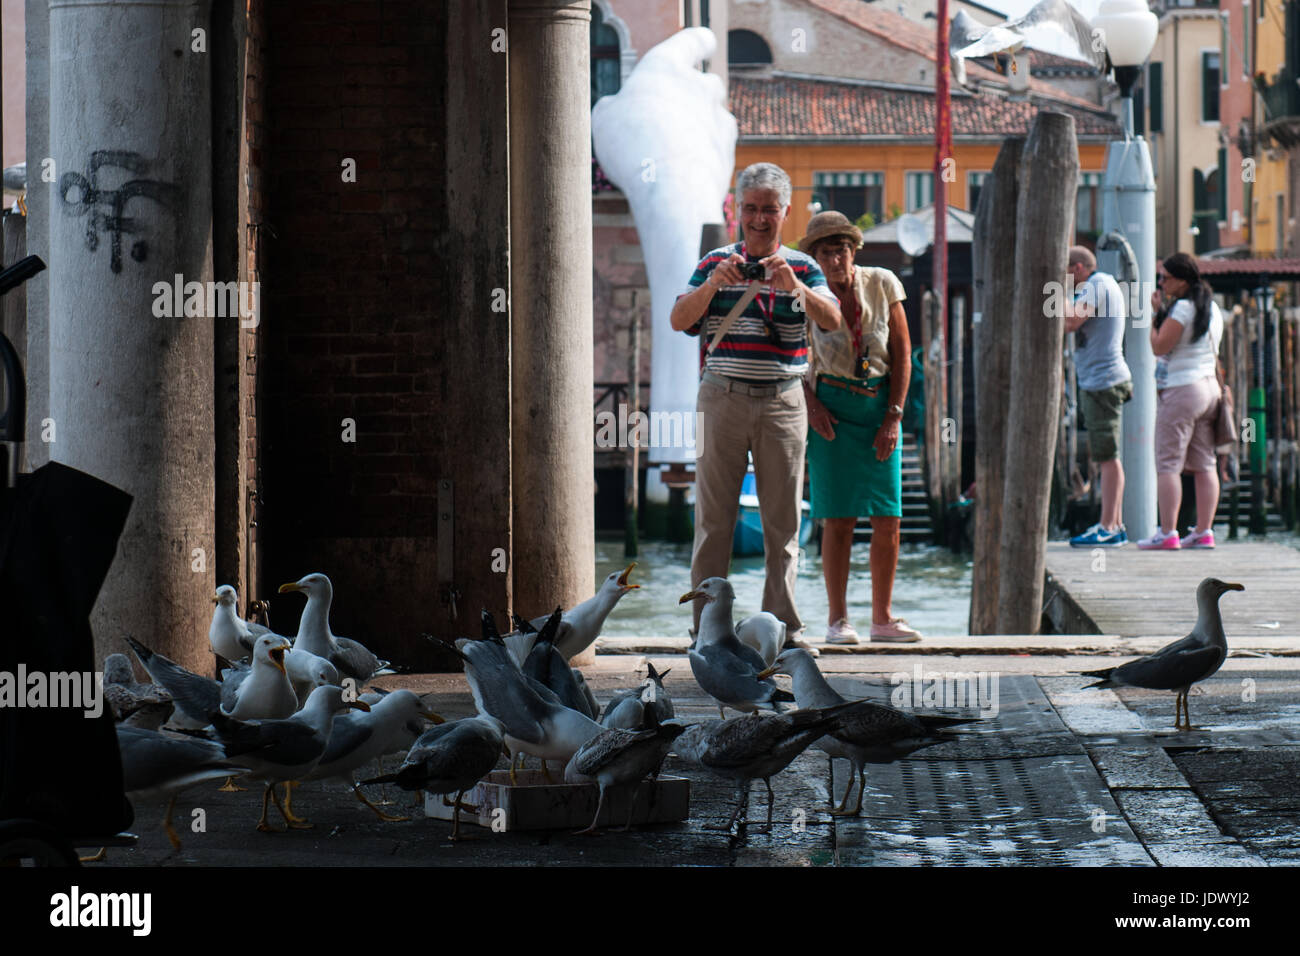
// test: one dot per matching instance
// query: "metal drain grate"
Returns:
(1017, 791)
(987, 813)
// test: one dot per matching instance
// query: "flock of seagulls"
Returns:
(286, 711)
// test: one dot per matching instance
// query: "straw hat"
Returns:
(827, 224)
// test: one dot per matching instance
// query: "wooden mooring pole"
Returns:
(1049, 174)
(631, 480)
(995, 276)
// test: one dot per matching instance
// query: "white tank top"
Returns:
(1190, 361)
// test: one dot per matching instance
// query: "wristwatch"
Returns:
(895, 410)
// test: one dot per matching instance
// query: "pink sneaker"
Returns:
(1160, 542)
(1203, 539)
(897, 631)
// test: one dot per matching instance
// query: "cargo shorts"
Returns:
(1101, 411)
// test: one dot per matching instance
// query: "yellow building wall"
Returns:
(800, 161)
(1187, 142)
(1271, 174)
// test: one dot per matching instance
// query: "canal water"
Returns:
(932, 589)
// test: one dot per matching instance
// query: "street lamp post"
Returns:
(1127, 250)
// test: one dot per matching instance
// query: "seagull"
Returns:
(627, 710)
(1179, 665)
(155, 763)
(278, 751)
(356, 739)
(615, 757)
(305, 670)
(451, 758)
(877, 733)
(581, 625)
(262, 692)
(544, 728)
(758, 747)
(352, 659)
(146, 706)
(969, 39)
(548, 666)
(229, 635)
(727, 669)
(765, 633)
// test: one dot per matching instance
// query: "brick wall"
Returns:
(376, 309)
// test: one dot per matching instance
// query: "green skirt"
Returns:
(847, 480)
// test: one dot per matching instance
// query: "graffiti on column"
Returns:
(106, 208)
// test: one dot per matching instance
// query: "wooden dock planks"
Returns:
(1135, 593)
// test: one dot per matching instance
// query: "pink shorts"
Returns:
(1185, 418)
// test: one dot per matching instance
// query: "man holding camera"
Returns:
(751, 301)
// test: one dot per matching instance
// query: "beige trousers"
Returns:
(775, 430)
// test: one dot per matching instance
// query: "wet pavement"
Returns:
(1058, 776)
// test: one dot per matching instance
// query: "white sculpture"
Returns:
(667, 140)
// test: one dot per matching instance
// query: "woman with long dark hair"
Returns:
(1185, 332)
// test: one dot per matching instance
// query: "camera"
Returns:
(753, 270)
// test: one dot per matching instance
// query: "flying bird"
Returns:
(1179, 665)
(1045, 22)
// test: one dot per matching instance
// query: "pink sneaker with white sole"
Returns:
(897, 631)
(1160, 542)
(1199, 539)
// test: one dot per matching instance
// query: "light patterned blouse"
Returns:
(834, 353)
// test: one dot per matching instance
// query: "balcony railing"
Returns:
(1280, 123)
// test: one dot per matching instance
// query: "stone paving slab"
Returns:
(970, 803)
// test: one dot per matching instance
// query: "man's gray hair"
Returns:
(765, 176)
(1082, 255)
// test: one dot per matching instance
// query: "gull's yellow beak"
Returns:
(622, 578)
(766, 673)
(430, 715)
(291, 586)
(216, 599)
(277, 657)
(690, 596)
(358, 705)
(1233, 587)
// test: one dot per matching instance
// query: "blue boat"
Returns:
(747, 540)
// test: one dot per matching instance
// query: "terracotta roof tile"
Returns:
(797, 107)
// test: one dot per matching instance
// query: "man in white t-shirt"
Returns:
(1097, 317)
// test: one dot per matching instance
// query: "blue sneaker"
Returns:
(1099, 537)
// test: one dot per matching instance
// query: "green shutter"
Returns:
(1156, 76)
(1210, 86)
(1223, 185)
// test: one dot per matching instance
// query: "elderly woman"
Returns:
(1185, 333)
(855, 393)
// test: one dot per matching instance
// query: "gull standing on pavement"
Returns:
(875, 733)
(727, 669)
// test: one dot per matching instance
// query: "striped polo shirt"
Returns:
(768, 342)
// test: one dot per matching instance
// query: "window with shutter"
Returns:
(1155, 80)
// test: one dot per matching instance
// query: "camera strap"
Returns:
(730, 318)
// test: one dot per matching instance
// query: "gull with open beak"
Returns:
(581, 624)
(351, 658)
(280, 751)
(727, 669)
(262, 692)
